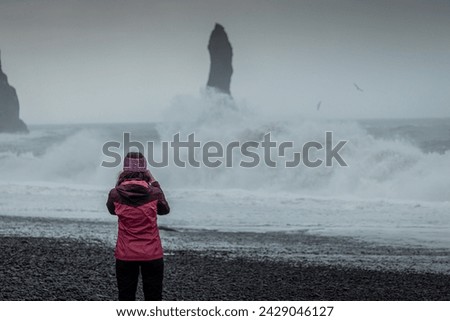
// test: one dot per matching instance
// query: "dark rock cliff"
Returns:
(9, 107)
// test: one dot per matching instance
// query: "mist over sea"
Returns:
(395, 188)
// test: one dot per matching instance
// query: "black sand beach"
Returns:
(41, 268)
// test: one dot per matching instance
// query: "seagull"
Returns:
(358, 88)
(319, 104)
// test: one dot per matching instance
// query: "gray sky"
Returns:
(110, 60)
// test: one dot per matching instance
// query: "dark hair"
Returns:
(128, 175)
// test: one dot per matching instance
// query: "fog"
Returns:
(125, 61)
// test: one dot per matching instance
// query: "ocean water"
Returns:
(395, 189)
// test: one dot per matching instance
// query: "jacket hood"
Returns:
(134, 192)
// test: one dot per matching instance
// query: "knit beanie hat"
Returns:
(134, 162)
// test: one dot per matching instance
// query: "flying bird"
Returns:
(358, 88)
(319, 104)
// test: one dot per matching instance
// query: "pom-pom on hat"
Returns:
(134, 162)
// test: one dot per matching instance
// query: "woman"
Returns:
(136, 200)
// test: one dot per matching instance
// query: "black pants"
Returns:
(127, 273)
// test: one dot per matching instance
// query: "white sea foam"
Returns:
(391, 190)
(377, 168)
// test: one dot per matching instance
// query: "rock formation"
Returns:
(221, 53)
(9, 107)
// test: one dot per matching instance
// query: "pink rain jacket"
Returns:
(136, 204)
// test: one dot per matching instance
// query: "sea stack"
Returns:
(9, 107)
(221, 54)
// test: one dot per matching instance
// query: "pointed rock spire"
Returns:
(221, 54)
